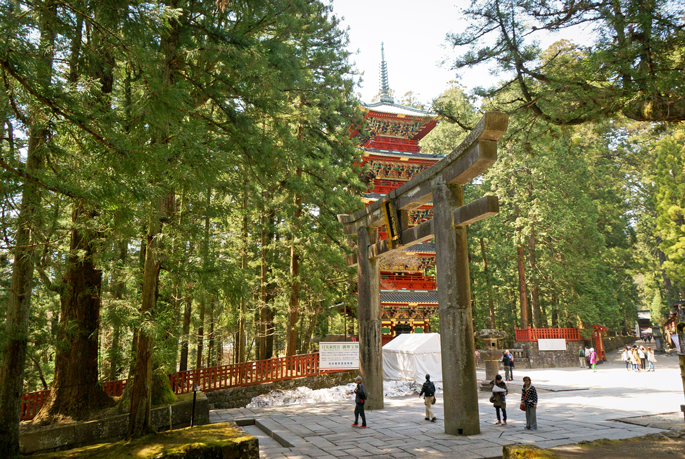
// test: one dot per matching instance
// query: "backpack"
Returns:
(581, 353)
(430, 389)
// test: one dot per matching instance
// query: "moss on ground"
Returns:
(526, 452)
(221, 441)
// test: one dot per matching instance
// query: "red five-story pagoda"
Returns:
(390, 141)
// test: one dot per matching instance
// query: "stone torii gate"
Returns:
(441, 184)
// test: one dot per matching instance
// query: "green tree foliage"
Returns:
(172, 125)
(670, 203)
(632, 66)
(564, 200)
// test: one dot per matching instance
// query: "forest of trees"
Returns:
(171, 173)
(590, 227)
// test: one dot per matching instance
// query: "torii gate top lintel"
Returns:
(468, 160)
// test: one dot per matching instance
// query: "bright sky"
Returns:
(414, 33)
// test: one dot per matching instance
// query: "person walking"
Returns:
(593, 359)
(587, 356)
(650, 359)
(498, 399)
(581, 357)
(429, 398)
(511, 367)
(635, 359)
(506, 362)
(359, 400)
(625, 356)
(529, 403)
(643, 357)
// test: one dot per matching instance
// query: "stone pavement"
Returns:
(574, 405)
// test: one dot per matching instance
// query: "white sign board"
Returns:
(339, 355)
(552, 344)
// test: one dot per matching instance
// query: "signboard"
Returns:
(339, 355)
(552, 344)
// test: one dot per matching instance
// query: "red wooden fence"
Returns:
(208, 379)
(32, 402)
(534, 334)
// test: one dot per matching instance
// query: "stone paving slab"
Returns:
(574, 405)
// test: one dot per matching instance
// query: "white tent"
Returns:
(411, 356)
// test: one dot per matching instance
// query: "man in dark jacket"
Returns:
(359, 400)
(429, 399)
(507, 362)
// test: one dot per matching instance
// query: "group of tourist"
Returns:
(529, 401)
(588, 358)
(638, 358)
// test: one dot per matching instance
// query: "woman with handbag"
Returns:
(498, 399)
(650, 359)
(529, 403)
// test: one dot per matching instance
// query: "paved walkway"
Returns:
(574, 405)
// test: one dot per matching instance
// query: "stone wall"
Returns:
(534, 358)
(112, 428)
(240, 396)
(527, 355)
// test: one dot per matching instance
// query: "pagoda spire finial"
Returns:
(385, 89)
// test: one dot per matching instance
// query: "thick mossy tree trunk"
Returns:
(14, 345)
(141, 402)
(75, 389)
(162, 209)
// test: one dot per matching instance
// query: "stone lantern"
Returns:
(490, 354)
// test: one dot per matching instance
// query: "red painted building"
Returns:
(390, 140)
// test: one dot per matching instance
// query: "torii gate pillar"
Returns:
(460, 390)
(369, 315)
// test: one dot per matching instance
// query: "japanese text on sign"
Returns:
(339, 356)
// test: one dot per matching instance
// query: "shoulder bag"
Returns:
(522, 406)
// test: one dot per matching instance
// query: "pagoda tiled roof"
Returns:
(409, 296)
(425, 247)
(403, 154)
(397, 109)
